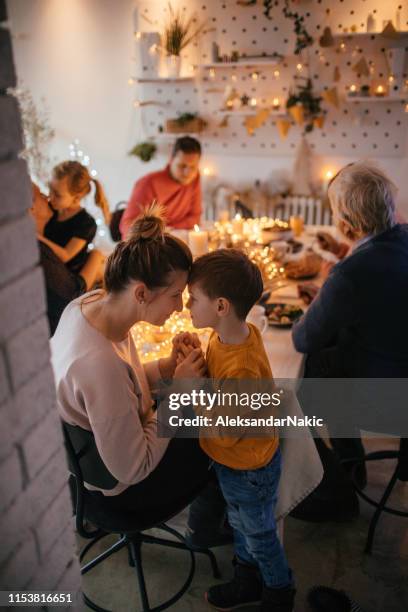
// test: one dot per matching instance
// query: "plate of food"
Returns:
(282, 315)
(306, 267)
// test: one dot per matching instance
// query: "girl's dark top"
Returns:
(82, 225)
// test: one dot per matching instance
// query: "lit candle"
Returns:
(237, 224)
(275, 104)
(223, 216)
(380, 91)
(198, 241)
(327, 178)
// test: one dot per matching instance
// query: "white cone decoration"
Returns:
(302, 169)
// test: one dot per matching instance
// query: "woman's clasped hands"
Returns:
(189, 356)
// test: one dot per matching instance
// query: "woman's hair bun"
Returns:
(149, 226)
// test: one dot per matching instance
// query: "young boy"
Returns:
(223, 287)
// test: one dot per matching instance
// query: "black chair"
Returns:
(400, 473)
(116, 218)
(86, 464)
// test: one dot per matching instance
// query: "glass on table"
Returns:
(296, 224)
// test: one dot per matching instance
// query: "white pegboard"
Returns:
(365, 129)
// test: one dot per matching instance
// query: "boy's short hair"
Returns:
(229, 273)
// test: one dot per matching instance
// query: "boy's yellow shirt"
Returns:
(245, 361)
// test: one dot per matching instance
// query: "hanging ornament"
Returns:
(336, 74)
(283, 126)
(361, 67)
(326, 40)
(331, 96)
(298, 113)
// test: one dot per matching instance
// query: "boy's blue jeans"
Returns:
(251, 500)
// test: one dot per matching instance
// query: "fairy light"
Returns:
(276, 74)
(299, 67)
(138, 35)
(233, 77)
(255, 76)
(131, 81)
(212, 73)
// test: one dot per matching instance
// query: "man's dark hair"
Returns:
(186, 144)
(228, 273)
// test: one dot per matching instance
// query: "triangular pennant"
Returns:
(331, 96)
(318, 122)
(283, 126)
(298, 113)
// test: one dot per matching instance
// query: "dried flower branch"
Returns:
(37, 134)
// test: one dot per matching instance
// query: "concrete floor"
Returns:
(329, 554)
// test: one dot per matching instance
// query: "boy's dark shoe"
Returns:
(278, 600)
(209, 538)
(244, 589)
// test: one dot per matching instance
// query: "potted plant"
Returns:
(185, 123)
(179, 31)
(145, 150)
(304, 105)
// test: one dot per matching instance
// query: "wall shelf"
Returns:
(372, 99)
(250, 112)
(185, 79)
(243, 64)
(399, 37)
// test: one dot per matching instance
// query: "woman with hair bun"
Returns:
(101, 384)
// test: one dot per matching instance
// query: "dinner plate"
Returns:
(270, 307)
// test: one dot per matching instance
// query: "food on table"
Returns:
(306, 266)
(283, 314)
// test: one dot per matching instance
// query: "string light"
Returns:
(255, 76)
(276, 74)
(299, 67)
(212, 73)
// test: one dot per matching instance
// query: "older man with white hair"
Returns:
(357, 327)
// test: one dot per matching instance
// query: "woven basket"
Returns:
(189, 127)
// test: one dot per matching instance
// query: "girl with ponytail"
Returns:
(103, 387)
(71, 228)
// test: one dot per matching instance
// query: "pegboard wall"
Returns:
(374, 128)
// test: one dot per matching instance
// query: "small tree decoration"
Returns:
(38, 134)
(306, 105)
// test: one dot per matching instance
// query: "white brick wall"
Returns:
(37, 544)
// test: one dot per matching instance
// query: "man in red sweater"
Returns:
(177, 188)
